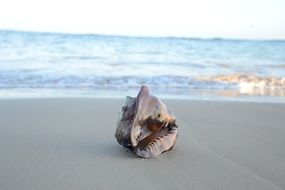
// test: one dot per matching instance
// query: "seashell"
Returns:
(146, 126)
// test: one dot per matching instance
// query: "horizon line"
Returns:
(138, 36)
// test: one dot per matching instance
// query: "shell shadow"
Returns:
(102, 150)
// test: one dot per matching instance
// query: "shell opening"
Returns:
(154, 129)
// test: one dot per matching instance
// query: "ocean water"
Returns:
(67, 65)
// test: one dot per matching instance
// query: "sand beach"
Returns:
(68, 143)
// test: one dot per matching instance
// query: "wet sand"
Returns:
(69, 144)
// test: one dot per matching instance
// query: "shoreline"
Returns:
(69, 143)
(240, 99)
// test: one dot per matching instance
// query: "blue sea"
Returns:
(76, 65)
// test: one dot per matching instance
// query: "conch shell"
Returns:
(146, 126)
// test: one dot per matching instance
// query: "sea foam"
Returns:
(91, 65)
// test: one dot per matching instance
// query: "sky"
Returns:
(243, 19)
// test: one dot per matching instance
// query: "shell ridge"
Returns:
(146, 126)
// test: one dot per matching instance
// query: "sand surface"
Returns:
(69, 144)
